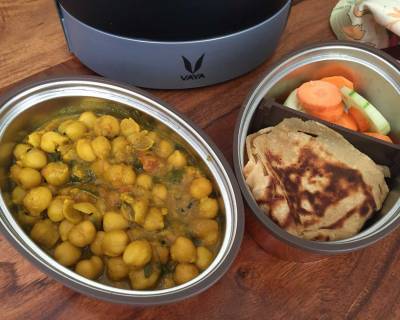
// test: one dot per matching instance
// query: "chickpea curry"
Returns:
(117, 200)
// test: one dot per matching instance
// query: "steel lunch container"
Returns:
(377, 75)
(25, 108)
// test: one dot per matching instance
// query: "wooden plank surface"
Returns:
(362, 285)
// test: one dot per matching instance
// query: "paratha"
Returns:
(311, 181)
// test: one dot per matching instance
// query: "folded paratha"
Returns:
(311, 181)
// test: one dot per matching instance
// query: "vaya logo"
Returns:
(193, 71)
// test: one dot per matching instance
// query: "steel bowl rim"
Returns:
(93, 288)
(314, 247)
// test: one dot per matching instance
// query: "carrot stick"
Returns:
(330, 115)
(359, 118)
(379, 136)
(346, 121)
(318, 96)
(339, 81)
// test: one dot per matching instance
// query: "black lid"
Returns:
(178, 20)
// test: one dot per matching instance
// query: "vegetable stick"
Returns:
(331, 115)
(379, 136)
(318, 96)
(346, 121)
(359, 118)
(339, 81)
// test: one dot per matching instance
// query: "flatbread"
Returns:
(311, 181)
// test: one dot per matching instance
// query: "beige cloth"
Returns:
(367, 21)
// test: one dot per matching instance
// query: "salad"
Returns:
(334, 99)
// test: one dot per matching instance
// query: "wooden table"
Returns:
(362, 285)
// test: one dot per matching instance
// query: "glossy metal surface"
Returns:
(378, 77)
(27, 108)
(173, 64)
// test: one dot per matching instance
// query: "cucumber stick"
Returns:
(292, 101)
(377, 121)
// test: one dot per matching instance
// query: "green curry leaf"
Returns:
(148, 269)
(54, 156)
(174, 176)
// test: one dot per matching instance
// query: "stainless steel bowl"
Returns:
(28, 107)
(378, 77)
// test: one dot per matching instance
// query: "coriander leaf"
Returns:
(148, 269)
(174, 176)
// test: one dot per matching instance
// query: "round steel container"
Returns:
(377, 77)
(25, 108)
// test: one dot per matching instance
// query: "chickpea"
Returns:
(160, 253)
(15, 170)
(18, 195)
(145, 181)
(88, 118)
(154, 220)
(90, 268)
(192, 172)
(64, 228)
(68, 153)
(56, 173)
(185, 272)
(85, 207)
(55, 209)
(107, 126)
(129, 126)
(75, 130)
(140, 208)
(137, 254)
(37, 200)
(51, 140)
(200, 188)
(167, 281)
(160, 191)
(117, 270)
(29, 178)
(96, 245)
(120, 174)
(101, 147)
(6, 150)
(140, 280)
(183, 250)
(114, 221)
(70, 213)
(208, 208)
(206, 230)
(99, 167)
(45, 233)
(153, 136)
(34, 139)
(67, 254)
(20, 150)
(63, 125)
(120, 148)
(204, 258)
(165, 148)
(114, 243)
(82, 234)
(177, 159)
(34, 158)
(84, 150)
(26, 220)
